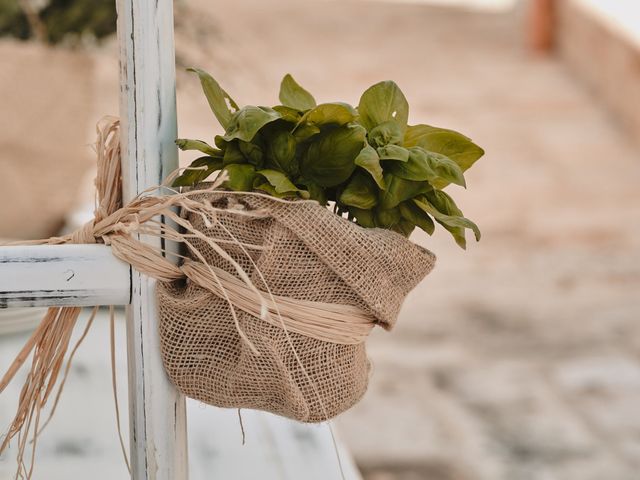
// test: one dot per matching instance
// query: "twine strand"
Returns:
(120, 226)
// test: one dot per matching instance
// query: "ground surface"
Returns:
(520, 358)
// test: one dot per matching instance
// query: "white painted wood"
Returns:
(148, 112)
(276, 448)
(81, 442)
(307, 451)
(60, 275)
(15, 320)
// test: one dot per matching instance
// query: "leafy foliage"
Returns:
(60, 20)
(375, 168)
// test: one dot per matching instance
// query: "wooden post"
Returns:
(148, 113)
(541, 25)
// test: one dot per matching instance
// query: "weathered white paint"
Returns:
(276, 448)
(148, 112)
(60, 275)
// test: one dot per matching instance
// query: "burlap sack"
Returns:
(308, 253)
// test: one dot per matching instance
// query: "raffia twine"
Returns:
(121, 227)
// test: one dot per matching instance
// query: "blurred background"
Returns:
(518, 359)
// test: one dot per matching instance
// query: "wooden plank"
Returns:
(276, 448)
(148, 113)
(59, 275)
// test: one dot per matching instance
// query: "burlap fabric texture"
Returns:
(270, 311)
(303, 251)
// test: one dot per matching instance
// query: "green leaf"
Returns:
(364, 218)
(248, 121)
(360, 192)
(305, 131)
(446, 205)
(415, 168)
(393, 152)
(369, 160)
(186, 144)
(222, 105)
(232, 154)
(387, 218)
(316, 192)
(189, 177)
(449, 143)
(220, 142)
(281, 151)
(398, 190)
(281, 183)
(383, 102)
(288, 114)
(386, 133)
(294, 96)
(404, 227)
(442, 207)
(424, 165)
(329, 114)
(446, 170)
(251, 152)
(418, 217)
(241, 177)
(266, 187)
(329, 160)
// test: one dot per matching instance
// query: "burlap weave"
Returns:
(326, 280)
(304, 251)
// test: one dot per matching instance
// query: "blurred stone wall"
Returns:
(604, 57)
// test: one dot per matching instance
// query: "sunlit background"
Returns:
(518, 359)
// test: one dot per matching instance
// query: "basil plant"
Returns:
(376, 169)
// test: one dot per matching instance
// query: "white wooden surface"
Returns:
(81, 441)
(59, 275)
(276, 448)
(148, 112)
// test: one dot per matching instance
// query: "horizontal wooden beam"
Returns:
(61, 275)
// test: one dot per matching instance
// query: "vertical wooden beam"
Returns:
(148, 113)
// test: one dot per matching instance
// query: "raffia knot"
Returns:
(84, 234)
